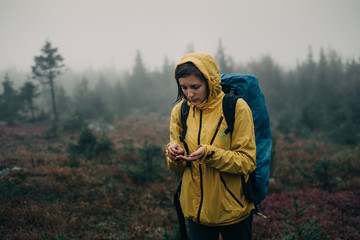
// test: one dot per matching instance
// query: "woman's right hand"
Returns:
(174, 150)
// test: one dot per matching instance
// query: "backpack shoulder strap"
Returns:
(180, 215)
(184, 115)
(229, 106)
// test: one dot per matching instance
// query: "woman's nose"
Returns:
(190, 93)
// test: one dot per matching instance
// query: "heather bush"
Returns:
(53, 149)
(302, 164)
(9, 189)
(322, 174)
(11, 184)
(53, 132)
(308, 213)
(74, 160)
(31, 221)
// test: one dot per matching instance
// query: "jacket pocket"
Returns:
(230, 192)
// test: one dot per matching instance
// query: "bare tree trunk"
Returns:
(51, 82)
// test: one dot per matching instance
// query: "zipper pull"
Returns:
(261, 215)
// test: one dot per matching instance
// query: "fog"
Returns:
(106, 34)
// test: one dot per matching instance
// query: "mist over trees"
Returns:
(317, 98)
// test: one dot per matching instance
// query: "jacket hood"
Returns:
(209, 67)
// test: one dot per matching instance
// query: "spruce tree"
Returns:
(27, 94)
(47, 67)
(10, 104)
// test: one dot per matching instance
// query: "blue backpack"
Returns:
(246, 86)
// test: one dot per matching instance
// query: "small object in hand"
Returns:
(187, 155)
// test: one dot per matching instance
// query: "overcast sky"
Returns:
(107, 33)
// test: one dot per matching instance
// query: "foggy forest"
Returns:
(82, 153)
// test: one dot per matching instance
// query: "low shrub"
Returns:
(149, 165)
(72, 124)
(89, 145)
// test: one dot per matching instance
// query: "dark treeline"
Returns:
(315, 99)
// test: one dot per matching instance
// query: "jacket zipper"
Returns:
(217, 129)
(200, 170)
(199, 134)
(232, 194)
(202, 194)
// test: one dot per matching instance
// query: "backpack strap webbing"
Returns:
(180, 215)
(184, 115)
(229, 106)
(182, 225)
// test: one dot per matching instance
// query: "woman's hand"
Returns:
(198, 154)
(174, 151)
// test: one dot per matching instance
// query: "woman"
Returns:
(211, 196)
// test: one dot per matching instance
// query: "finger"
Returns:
(173, 148)
(179, 149)
(176, 146)
(172, 151)
(187, 158)
(194, 154)
(198, 153)
(171, 155)
(191, 159)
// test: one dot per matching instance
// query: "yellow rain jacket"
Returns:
(211, 191)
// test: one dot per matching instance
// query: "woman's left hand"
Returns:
(198, 154)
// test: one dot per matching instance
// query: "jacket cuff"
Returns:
(208, 153)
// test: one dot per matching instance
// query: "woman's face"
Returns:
(194, 89)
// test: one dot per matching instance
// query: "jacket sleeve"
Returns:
(175, 131)
(241, 159)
